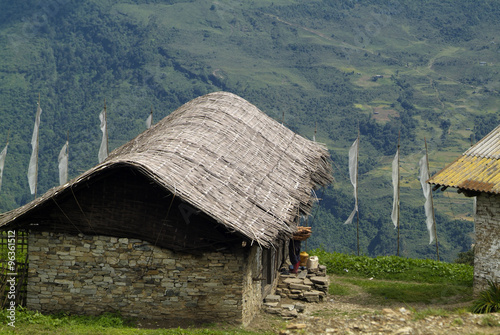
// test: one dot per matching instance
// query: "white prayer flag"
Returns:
(103, 150)
(426, 188)
(32, 169)
(474, 206)
(353, 173)
(63, 164)
(2, 162)
(149, 120)
(395, 183)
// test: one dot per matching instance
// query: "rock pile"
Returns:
(308, 285)
(273, 305)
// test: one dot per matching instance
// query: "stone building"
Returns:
(476, 174)
(189, 221)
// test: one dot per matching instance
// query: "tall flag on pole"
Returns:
(149, 120)
(353, 174)
(2, 162)
(426, 188)
(103, 150)
(33, 167)
(63, 164)
(395, 183)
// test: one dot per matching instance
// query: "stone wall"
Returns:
(487, 250)
(252, 285)
(95, 274)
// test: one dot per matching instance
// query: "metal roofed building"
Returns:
(477, 174)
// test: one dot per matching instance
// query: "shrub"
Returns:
(466, 257)
(396, 268)
(489, 299)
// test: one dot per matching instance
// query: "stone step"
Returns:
(272, 298)
(308, 285)
(319, 280)
(293, 281)
(300, 287)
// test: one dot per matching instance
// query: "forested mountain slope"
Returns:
(424, 68)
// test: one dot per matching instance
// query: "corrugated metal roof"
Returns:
(488, 147)
(477, 169)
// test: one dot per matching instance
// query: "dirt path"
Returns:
(337, 317)
(354, 314)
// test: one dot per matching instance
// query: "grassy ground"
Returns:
(426, 287)
(30, 322)
(390, 279)
(396, 268)
(383, 292)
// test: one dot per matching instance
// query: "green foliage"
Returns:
(483, 124)
(489, 299)
(489, 321)
(30, 322)
(422, 314)
(457, 322)
(406, 292)
(385, 280)
(20, 254)
(377, 233)
(312, 60)
(396, 268)
(25, 316)
(338, 289)
(466, 257)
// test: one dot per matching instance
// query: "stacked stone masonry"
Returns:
(487, 248)
(308, 286)
(95, 274)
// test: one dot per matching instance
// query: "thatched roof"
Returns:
(224, 156)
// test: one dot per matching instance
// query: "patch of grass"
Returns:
(462, 311)
(28, 317)
(396, 268)
(32, 322)
(489, 321)
(407, 292)
(338, 289)
(422, 314)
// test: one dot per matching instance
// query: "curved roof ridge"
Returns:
(224, 156)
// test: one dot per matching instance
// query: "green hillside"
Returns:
(425, 68)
